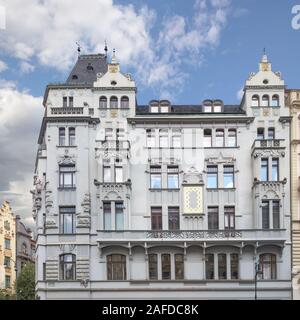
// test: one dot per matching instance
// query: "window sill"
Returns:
(66, 146)
(217, 189)
(164, 189)
(225, 147)
(66, 189)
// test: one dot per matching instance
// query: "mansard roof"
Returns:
(86, 69)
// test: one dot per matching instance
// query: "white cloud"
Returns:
(240, 94)
(3, 66)
(26, 67)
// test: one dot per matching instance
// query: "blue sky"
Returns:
(186, 51)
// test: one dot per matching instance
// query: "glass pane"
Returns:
(166, 266)
(276, 223)
(151, 141)
(264, 176)
(164, 109)
(119, 216)
(222, 266)
(119, 174)
(275, 168)
(154, 109)
(68, 179)
(265, 215)
(153, 267)
(163, 141)
(260, 134)
(212, 180)
(155, 181)
(179, 267)
(106, 174)
(173, 181)
(176, 141)
(271, 133)
(173, 213)
(228, 180)
(234, 264)
(209, 266)
(207, 108)
(213, 218)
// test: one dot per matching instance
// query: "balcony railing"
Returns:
(268, 143)
(67, 110)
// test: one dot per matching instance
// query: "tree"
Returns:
(25, 284)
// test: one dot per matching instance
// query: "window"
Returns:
(217, 108)
(275, 101)
(265, 101)
(260, 133)
(113, 102)
(7, 281)
(119, 174)
(67, 220)
(208, 108)
(231, 138)
(207, 138)
(65, 102)
(108, 133)
(150, 138)
(166, 266)
(179, 267)
(7, 262)
(71, 104)
(155, 177)
(116, 267)
(219, 138)
(213, 218)
(222, 266)
(163, 138)
(210, 266)
(264, 170)
(124, 102)
(164, 106)
(107, 174)
(229, 215)
(24, 248)
(119, 216)
(67, 176)
(275, 169)
(276, 222)
(71, 136)
(107, 215)
(173, 179)
(176, 138)
(44, 271)
(173, 213)
(228, 180)
(265, 215)
(7, 244)
(153, 273)
(62, 136)
(255, 101)
(268, 266)
(234, 266)
(67, 267)
(156, 218)
(212, 177)
(154, 109)
(103, 102)
(271, 133)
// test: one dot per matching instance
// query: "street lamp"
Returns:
(257, 272)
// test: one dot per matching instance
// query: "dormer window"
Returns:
(208, 106)
(113, 102)
(275, 101)
(212, 106)
(162, 106)
(124, 102)
(103, 102)
(255, 101)
(218, 104)
(265, 102)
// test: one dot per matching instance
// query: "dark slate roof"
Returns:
(190, 109)
(86, 69)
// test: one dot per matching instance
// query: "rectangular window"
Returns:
(207, 142)
(166, 267)
(219, 138)
(176, 139)
(107, 215)
(119, 216)
(228, 177)
(67, 220)
(7, 282)
(265, 215)
(173, 179)
(229, 215)
(275, 169)
(212, 177)
(153, 273)
(213, 218)
(67, 176)
(222, 266)
(65, 102)
(108, 133)
(116, 267)
(107, 174)
(173, 213)
(231, 138)
(276, 221)
(119, 174)
(208, 108)
(7, 262)
(156, 218)
(44, 271)
(234, 266)
(7, 244)
(155, 177)
(163, 138)
(260, 133)
(71, 136)
(150, 138)
(62, 137)
(210, 266)
(264, 170)
(71, 100)
(179, 267)
(271, 133)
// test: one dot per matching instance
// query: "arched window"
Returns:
(154, 106)
(164, 106)
(265, 102)
(103, 102)
(268, 266)
(113, 102)
(218, 104)
(116, 267)
(255, 101)
(67, 266)
(24, 248)
(207, 106)
(275, 101)
(124, 102)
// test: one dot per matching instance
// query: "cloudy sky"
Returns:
(185, 51)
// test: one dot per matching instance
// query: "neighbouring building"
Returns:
(7, 248)
(161, 200)
(25, 245)
(293, 102)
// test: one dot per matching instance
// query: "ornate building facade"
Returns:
(7, 248)
(160, 200)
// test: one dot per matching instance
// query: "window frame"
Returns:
(156, 218)
(64, 213)
(63, 174)
(64, 264)
(173, 218)
(116, 270)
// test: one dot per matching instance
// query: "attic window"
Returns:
(90, 67)
(266, 81)
(75, 77)
(113, 83)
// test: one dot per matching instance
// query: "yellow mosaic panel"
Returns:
(193, 199)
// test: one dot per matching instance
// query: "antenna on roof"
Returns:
(78, 48)
(105, 49)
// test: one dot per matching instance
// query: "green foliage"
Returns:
(25, 284)
(5, 295)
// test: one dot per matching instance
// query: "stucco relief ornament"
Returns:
(84, 219)
(37, 195)
(50, 219)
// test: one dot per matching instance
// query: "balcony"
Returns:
(268, 144)
(67, 110)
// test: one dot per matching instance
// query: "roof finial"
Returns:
(114, 59)
(265, 57)
(105, 49)
(78, 48)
